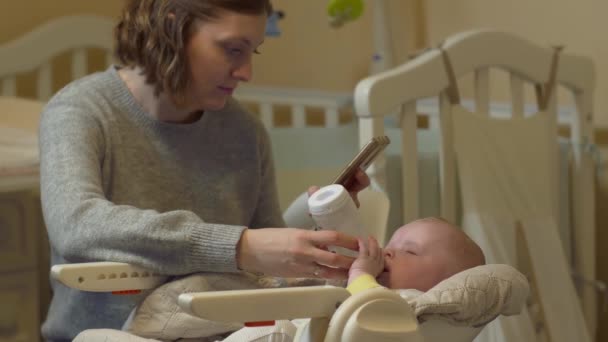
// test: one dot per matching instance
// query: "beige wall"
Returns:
(579, 25)
(309, 53)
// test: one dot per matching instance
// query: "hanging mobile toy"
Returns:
(342, 11)
(272, 24)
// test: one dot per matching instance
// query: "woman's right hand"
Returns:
(292, 252)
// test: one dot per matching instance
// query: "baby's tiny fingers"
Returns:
(373, 246)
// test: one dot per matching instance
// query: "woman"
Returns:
(153, 163)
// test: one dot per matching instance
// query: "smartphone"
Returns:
(362, 160)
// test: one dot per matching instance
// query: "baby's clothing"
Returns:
(362, 283)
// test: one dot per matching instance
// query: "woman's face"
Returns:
(219, 54)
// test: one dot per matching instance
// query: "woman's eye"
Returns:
(234, 51)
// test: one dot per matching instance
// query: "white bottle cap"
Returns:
(328, 199)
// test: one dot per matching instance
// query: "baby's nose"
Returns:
(388, 253)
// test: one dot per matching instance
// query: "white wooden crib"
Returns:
(418, 172)
(391, 103)
(477, 52)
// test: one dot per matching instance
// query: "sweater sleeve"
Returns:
(83, 225)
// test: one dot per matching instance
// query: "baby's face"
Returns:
(416, 256)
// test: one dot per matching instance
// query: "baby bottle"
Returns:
(332, 208)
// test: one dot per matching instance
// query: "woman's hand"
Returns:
(291, 252)
(370, 260)
(360, 181)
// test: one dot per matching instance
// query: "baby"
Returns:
(418, 256)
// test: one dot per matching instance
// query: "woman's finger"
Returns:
(312, 190)
(333, 238)
(374, 249)
(361, 181)
(331, 259)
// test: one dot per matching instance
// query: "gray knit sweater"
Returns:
(118, 185)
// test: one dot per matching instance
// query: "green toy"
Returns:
(342, 11)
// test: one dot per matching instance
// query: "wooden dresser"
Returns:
(24, 256)
(24, 285)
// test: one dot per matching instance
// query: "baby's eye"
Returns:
(411, 252)
(257, 52)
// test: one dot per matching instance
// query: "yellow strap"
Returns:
(362, 283)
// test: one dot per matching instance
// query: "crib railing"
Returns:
(36, 50)
(298, 102)
(476, 53)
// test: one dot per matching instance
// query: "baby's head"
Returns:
(424, 252)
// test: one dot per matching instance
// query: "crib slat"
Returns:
(9, 86)
(45, 82)
(267, 114)
(552, 123)
(447, 165)
(482, 91)
(517, 96)
(583, 202)
(298, 113)
(409, 164)
(369, 128)
(79, 63)
(332, 117)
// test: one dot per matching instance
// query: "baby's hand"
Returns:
(370, 260)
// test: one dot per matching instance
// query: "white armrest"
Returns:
(264, 304)
(105, 277)
(377, 314)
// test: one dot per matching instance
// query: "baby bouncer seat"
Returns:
(454, 310)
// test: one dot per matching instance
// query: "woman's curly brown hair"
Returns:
(152, 35)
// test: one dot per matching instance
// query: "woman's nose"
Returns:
(243, 72)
